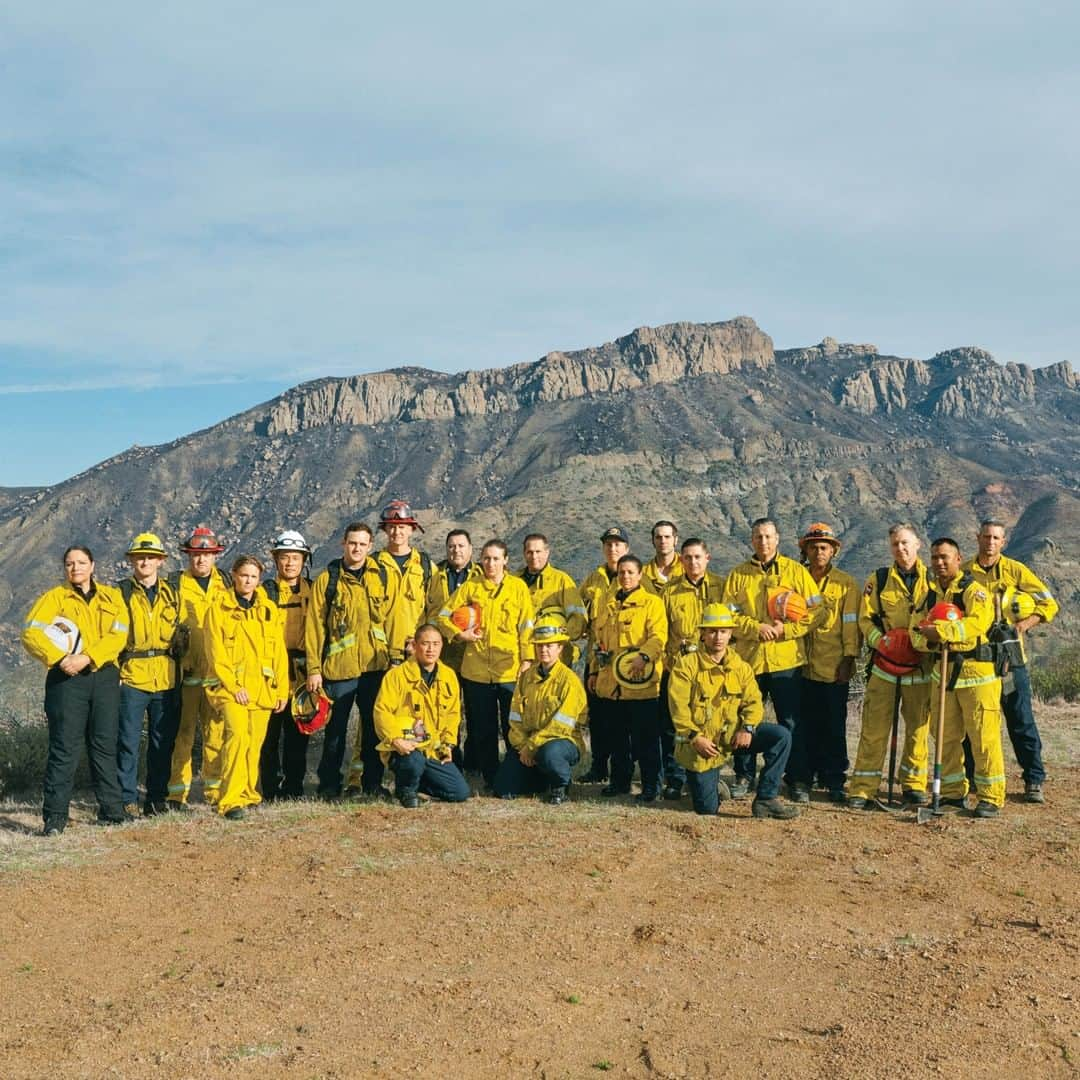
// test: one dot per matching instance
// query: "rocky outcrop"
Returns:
(647, 357)
(885, 386)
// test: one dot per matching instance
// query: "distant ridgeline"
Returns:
(705, 424)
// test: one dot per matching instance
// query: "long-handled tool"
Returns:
(892, 740)
(926, 814)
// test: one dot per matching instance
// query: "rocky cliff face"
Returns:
(703, 424)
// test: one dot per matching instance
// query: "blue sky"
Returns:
(205, 204)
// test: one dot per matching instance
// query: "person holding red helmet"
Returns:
(898, 680)
(957, 614)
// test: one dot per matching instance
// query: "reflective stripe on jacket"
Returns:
(356, 641)
(407, 599)
(152, 630)
(962, 635)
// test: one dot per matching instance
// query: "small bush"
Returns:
(24, 748)
(1057, 676)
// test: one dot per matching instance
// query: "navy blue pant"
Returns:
(82, 710)
(773, 742)
(674, 774)
(635, 736)
(555, 761)
(1020, 724)
(488, 709)
(414, 772)
(599, 737)
(162, 711)
(784, 689)
(283, 759)
(822, 733)
(344, 693)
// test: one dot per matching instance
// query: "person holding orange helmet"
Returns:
(776, 604)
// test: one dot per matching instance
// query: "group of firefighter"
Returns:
(676, 664)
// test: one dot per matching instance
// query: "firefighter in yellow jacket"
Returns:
(629, 637)
(615, 544)
(200, 586)
(1009, 578)
(685, 598)
(447, 576)
(774, 648)
(417, 714)
(552, 589)
(832, 652)
(346, 649)
(716, 710)
(973, 690)
(497, 649)
(898, 679)
(283, 762)
(149, 686)
(410, 571)
(547, 720)
(665, 567)
(246, 646)
(77, 631)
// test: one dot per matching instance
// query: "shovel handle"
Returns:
(939, 735)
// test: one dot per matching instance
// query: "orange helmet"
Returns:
(894, 653)
(942, 611)
(819, 531)
(468, 617)
(786, 605)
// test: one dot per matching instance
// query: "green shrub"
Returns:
(24, 748)
(1057, 676)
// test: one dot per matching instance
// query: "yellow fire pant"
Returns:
(974, 711)
(876, 731)
(245, 732)
(197, 708)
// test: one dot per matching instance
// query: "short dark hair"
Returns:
(941, 541)
(993, 523)
(694, 541)
(496, 544)
(458, 532)
(763, 521)
(77, 547)
(358, 526)
(427, 626)
(536, 536)
(663, 521)
(629, 559)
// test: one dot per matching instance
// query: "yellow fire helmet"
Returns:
(716, 616)
(550, 628)
(146, 543)
(1016, 605)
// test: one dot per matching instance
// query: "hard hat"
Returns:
(620, 668)
(310, 711)
(716, 617)
(202, 540)
(146, 543)
(290, 540)
(942, 611)
(468, 617)
(894, 653)
(786, 605)
(550, 628)
(64, 634)
(1017, 605)
(398, 512)
(819, 531)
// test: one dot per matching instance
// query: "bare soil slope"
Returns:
(514, 939)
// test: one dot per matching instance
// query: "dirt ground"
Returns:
(501, 939)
